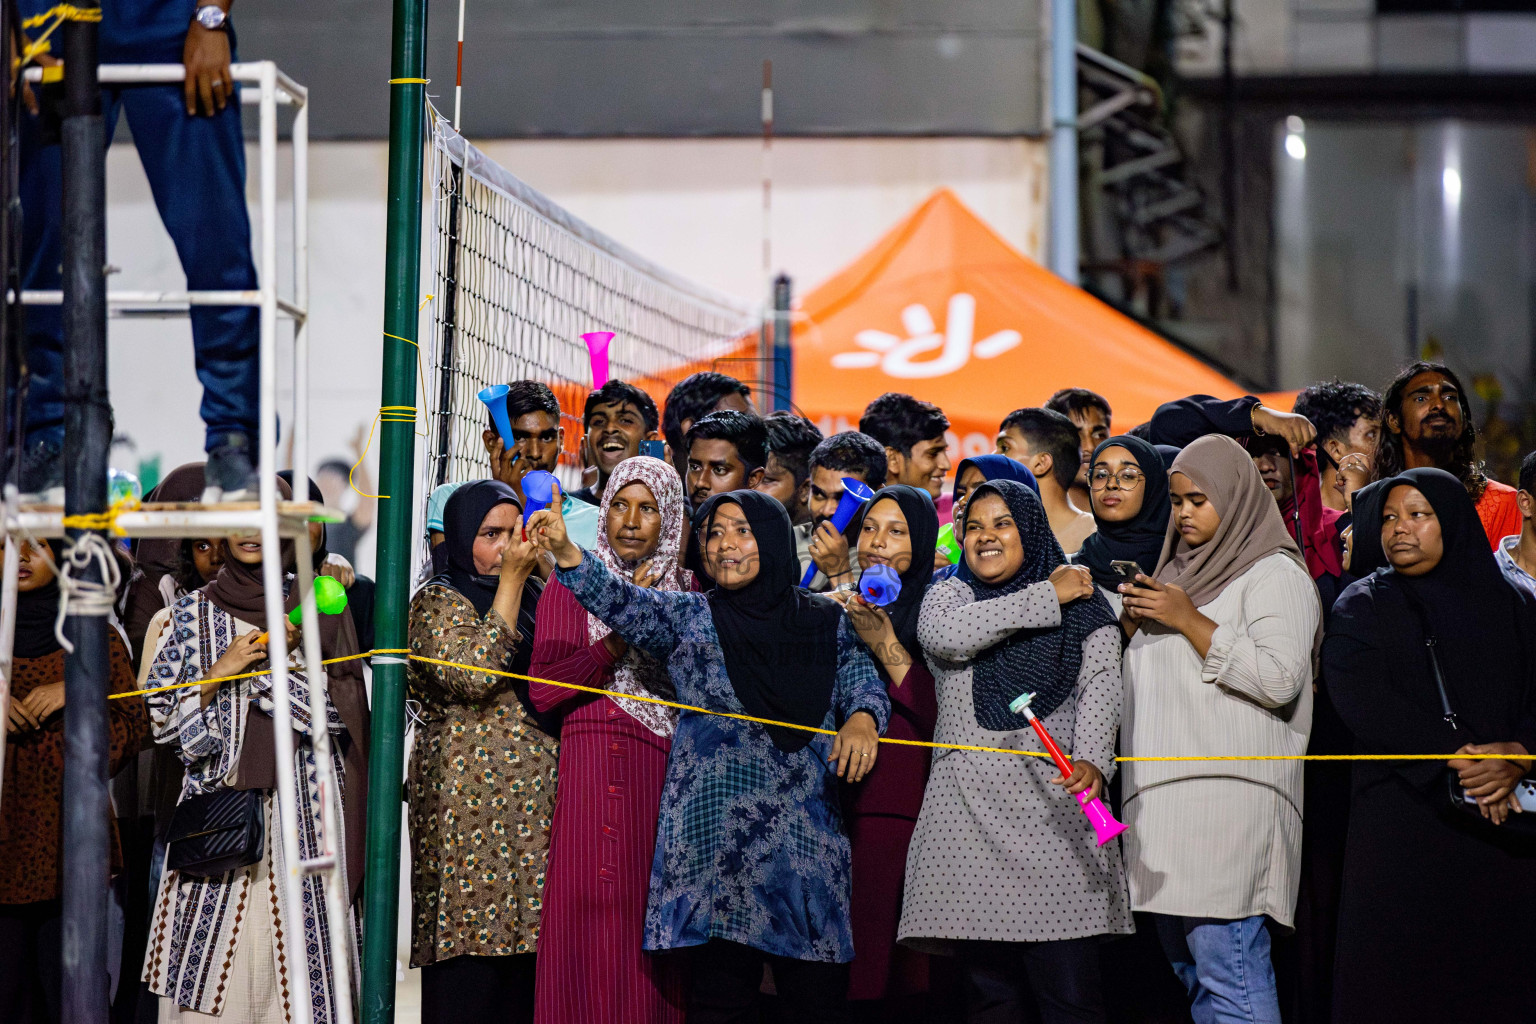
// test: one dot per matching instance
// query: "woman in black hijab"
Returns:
(752, 861)
(899, 529)
(1128, 489)
(1434, 898)
(481, 786)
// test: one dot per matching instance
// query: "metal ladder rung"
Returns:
(316, 865)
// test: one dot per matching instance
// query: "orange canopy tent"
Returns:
(944, 309)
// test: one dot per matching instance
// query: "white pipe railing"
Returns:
(273, 521)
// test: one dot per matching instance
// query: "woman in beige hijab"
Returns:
(1219, 662)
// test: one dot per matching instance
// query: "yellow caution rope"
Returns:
(828, 732)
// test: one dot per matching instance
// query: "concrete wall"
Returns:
(669, 68)
(1279, 37)
(692, 205)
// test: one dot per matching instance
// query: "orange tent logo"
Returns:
(900, 357)
(943, 308)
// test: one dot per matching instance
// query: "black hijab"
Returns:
(462, 516)
(36, 612)
(1040, 661)
(923, 528)
(1481, 624)
(1365, 551)
(1140, 538)
(779, 642)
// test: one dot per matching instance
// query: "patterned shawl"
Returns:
(638, 673)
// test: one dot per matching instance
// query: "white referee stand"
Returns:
(267, 88)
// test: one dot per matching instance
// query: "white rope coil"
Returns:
(81, 597)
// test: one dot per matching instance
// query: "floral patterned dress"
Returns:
(481, 788)
(32, 805)
(751, 846)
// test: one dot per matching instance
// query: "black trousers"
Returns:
(1050, 982)
(478, 988)
(727, 975)
(31, 972)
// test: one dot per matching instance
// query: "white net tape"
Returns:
(516, 281)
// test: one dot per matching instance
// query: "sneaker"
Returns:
(42, 473)
(230, 475)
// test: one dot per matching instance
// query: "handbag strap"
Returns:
(1430, 645)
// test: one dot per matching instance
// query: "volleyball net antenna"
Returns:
(517, 280)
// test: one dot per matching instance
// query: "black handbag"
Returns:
(1461, 804)
(214, 833)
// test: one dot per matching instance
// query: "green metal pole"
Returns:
(397, 476)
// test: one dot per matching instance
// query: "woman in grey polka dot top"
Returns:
(1004, 870)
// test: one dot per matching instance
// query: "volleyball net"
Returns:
(516, 281)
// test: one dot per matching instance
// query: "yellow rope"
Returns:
(371, 428)
(245, 675)
(63, 12)
(409, 81)
(828, 732)
(58, 15)
(104, 520)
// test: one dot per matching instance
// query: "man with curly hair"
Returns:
(1429, 423)
(1347, 417)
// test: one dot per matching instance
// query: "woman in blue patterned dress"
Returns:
(752, 860)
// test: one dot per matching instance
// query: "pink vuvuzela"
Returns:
(597, 347)
(1105, 827)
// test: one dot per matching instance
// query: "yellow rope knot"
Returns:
(58, 15)
(104, 520)
(63, 12)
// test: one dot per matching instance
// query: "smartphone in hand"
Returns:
(655, 449)
(1127, 570)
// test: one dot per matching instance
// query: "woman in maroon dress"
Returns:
(899, 529)
(613, 761)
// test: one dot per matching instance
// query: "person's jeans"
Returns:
(196, 171)
(1224, 966)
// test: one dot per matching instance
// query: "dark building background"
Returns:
(619, 68)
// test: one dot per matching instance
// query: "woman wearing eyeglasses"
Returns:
(1128, 489)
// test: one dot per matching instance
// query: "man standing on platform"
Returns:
(189, 142)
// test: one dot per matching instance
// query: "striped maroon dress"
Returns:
(591, 967)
